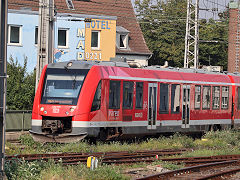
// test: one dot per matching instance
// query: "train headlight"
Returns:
(42, 109)
(67, 112)
(69, 64)
(71, 109)
(45, 112)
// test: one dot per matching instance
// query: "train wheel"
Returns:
(103, 134)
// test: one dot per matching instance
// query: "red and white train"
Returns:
(108, 99)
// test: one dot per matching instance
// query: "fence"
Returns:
(18, 120)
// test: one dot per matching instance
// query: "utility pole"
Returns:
(3, 82)
(45, 36)
(192, 35)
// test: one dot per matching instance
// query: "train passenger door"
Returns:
(186, 106)
(152, 105)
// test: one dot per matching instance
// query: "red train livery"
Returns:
(106, 100)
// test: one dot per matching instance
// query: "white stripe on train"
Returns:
(37, 122)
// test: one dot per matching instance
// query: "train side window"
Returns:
(175, 98)
(216, 97)
(114, 95)
(163, 109)
(197, 97)
(225, 97)
(206, 97)
(97, 98)
(238, 98)
(139, 95)
(127, 95)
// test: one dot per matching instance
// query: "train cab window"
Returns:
(225, 99)
(114, 95)
(175, 98)
(139, 95)
(216, 97)
(206, 97)
(127, 95)
(197, 97)
(163, 109)
(97, 98)
(238, 100)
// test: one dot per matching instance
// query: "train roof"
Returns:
(150, 72)
(74, 64)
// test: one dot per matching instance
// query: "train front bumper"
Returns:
(60, 138)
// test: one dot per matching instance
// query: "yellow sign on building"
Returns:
(100, 39)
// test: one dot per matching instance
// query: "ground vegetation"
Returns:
(212, 143)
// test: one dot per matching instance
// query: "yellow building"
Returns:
(100, 39)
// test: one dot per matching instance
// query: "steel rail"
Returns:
(107, 155)
(220, 174)
(188, 170)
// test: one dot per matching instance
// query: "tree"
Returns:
(213, 46)
(163, 24)
(20, 86)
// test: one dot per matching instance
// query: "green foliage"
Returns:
(213, 50)
(49, 170)
(25, 170)
(20, 86)
(164, 29)
(163, 24)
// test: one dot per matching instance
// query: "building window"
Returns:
(216, 97)
(36, 35)
(127, 95)
(175, 98)
(197, 97)
(139, 95)
(206, 97)
(114, 95)
(95, 40)
(14, 34)
(97, 98)
(122, 37)
(62, 38)
(163, 99)
(123, 41)
(225, 92)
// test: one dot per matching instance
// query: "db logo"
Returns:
(55, 109)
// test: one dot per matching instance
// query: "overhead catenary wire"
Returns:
(167, 18)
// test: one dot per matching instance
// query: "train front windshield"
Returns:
(62, 86)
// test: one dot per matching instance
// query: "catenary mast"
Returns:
(3, 82)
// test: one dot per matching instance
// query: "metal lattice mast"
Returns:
(192, 35)
(45, 36)
(3, 81)
(237, 45)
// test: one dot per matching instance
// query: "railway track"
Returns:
(190, 161)
(125, 157)
(217, 170)
(104, 157)
(206, 167)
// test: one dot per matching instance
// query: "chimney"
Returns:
(234, 38)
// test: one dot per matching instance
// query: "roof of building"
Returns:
(121, 8)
